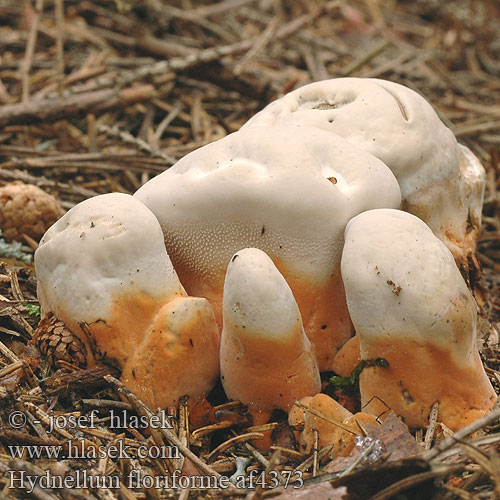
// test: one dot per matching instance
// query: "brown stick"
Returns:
(18, 437)
(30, 50)
(59, 8)
(78, 379)
(217, 8)
(55, 109)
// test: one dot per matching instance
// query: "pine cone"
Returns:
(26, 209)
(57, 342)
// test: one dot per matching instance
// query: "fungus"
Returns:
(296, 415)
(426, 333)
(26, 210)
(334, 424)
(270, 189)
(347, 358)
(441, 181)
(104, 263)
(265, 356)
(288, 183)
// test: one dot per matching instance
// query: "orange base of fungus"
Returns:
(323, 309)
(410, 388)
(249, 380)
(117, 336)
(165, 350)
(325, 317)
(175, 358)
(347, 358)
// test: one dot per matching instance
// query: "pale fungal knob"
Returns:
(347, 358)
(104, 263)
(441, 181)
(411, 307)
(285, 190)
(334, 425)
(26, 210)
(178, 356)
(265, 357)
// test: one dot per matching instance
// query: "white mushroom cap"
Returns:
(410, 305)
(392, 258)
(270, 189)
(401, 128)
(266, 357)
(257, 299)
(101, 247)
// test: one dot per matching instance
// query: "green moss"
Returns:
(351, 384)
(33, 310)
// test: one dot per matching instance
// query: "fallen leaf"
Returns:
(283, 436)
(201, 413)
(395, 437)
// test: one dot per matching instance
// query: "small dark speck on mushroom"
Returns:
(395, 289)
(263, 230)
(323, 327)
(92, 225)
(133, 373)
(408, 397)
(333, 180)
(191, 342)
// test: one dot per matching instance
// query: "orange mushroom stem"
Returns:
(410, 306)
(266, 357)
